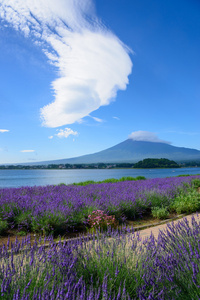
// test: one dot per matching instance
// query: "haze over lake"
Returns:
(17, 178)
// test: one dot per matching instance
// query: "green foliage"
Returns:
(186, 202)
(156, 163)
(81, 216)
(195, 183)
(157, 200)
(49, 224)
(124, 165)
(23, 220)
(110, 180)
(83, 183)
(160, 212)
(22, 233)
(129, 210)
(140, 178)
(10, 210)
(3, 226)
(128, 178)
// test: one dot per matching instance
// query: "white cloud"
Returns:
(116, 118)
(27, 151)
(97, 119)
(146, 136)
(4, 130)
(93, 64)
(65, 133)
(51, 137)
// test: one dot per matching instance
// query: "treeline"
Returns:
(145, 163)
(150, 163)
(190, 164)
(68, 166)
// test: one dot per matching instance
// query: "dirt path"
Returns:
(155, 230)
(144, 233)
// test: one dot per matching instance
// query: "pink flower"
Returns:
(99, 219)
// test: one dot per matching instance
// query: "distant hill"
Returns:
(149, 163)
(132, 151)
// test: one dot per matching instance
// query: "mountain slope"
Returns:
(133, 151)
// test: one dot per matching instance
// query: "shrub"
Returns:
(140, 178)
(157, 199)
(23, 220)
(128, 178)
(98, 219)
(109, 180)
(22, 233)
(186, 202)
(84, 183)
(49, 224)
(129, 210)
(133, 209)
(195, 183)
(160, 212)
(3, 226)
(80, 218)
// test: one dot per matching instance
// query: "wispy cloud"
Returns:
(146, 136)
(97, 119)
(116, 118)
(65, 133)
(4, 130)
(27, 151)
(93, 64)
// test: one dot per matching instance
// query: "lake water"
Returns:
(17, 178)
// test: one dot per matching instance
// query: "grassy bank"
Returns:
(110, 180)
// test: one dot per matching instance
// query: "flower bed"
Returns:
(118, 267)
(57, 208)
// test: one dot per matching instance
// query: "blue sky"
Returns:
(77, 77)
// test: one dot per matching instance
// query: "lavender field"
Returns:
(111, 265)
(57, 209)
